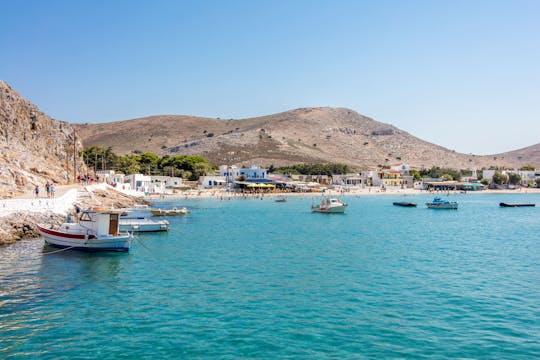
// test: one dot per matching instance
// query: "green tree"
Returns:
(499, 178)
(514, 178)
(128, 164)
(447, 177)
(415, 174)
(527, 168)
(148, 162)
(201, 169)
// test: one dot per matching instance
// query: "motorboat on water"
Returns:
(136, 211)
(142, 224)
(505, 204)
(95, 230)
(329, 206)
(439, 203)
(404, 204)
(173, 211)
(281, 199)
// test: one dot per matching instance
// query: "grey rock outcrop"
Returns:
(34, 148)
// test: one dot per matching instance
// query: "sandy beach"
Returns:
(372, 191)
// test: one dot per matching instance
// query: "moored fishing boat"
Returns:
(142, 224)
(173, 211)
(439, 203)
(95, 230)
(329, 206)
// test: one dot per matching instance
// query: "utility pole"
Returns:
(74, 157)
(67, 163)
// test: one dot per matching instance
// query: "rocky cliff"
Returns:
(34, 148)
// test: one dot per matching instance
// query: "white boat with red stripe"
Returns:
(97, 229)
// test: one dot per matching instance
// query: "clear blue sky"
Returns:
(462, 74)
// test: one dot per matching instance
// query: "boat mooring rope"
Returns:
(57, 251)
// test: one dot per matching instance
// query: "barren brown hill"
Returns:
(301, 135)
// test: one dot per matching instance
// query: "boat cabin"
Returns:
(101, 222)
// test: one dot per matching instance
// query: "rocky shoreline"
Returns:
(22, 225)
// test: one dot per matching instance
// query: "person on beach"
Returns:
(52, 189)
(36, 191)
(48, 189)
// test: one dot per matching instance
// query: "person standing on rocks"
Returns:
(48, 189)
(52, 189)
(36, 191)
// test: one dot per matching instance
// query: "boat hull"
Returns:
(85, 242)
(404, 204)
(160, 212)
(450, 206)
(503, 204)
(332, 210)
(143, 225)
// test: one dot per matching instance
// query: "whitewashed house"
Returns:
(139, 182)
(165, 184)
(231, 173)
(212, 182)
(402, 168)
(105, 175)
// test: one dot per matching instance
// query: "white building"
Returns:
(528, 177)
(231, 173)
(372, 176)
(402, 168)
(105, 175)
(350, 180)
(210, 182)
(139, 182)
(488, 174)
(165, 184)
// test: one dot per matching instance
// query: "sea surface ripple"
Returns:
(260, 279)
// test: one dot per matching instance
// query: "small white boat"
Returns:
(329, 206)
(96, 230)
(439, 203)
(142, 224)
(173, 211)
(135, 211)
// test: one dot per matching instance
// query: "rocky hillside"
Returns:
(301, 135)
(34, 148)
(528, 156)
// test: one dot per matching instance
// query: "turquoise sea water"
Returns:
(259, 279)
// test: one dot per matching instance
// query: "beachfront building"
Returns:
(254, 173)
(390, 179)
(165, 184)
(350, 180)
(212, 182)
(139, 182)
(319, 179)
(372, 178)
(408, 181)
(232, 173)
(529, 177)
